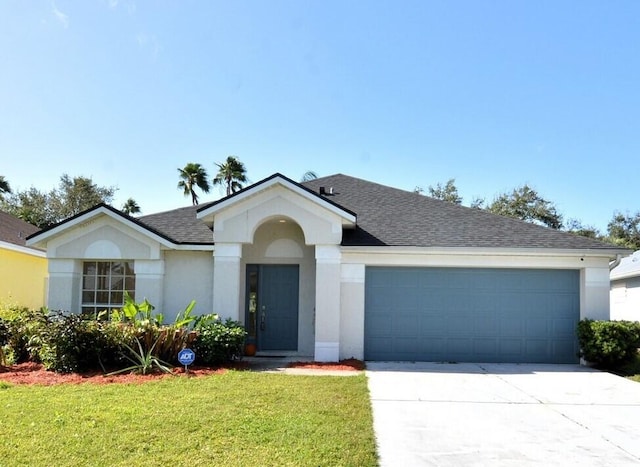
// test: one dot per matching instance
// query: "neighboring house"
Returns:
(23, 270)
(340, 267)
(625, 289)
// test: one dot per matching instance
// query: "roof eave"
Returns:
(494, 251)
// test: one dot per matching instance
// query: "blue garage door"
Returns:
(471, 315)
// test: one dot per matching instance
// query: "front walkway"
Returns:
(428, 414)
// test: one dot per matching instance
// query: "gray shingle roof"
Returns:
(14, 230)
(180, 225)
(388, 216)
(393, 217)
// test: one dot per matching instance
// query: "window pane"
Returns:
(88, 297)
(116, 298)
(104, 268)
(102, 283)
(102, 298)
(117, 268)
(117, 282)
(129, 284)
(128, 268)
(89, 282)
(89, 268)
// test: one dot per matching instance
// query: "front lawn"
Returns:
(233, 419)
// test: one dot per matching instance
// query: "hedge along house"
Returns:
(341, 267)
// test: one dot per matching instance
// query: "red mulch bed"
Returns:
(34, 373)
(350, 364)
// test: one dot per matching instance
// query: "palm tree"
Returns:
(308, 176)
(131, 207)
(231, 173)
(4, 186)
(193, 175)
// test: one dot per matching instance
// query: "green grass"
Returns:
(234, 419)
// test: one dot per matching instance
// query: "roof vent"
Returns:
(331, 190)
(323, 191)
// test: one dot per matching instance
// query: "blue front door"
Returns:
(272, 306)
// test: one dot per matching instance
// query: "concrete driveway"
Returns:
(503, 415)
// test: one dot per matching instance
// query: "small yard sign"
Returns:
(186, 357)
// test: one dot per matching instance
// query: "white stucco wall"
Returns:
(188, 276)
(352, 311)
(625, 299)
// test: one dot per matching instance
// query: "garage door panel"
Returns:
(491, 315)
(405, 324)
(459, 347)
(486, 325)
(536, 347)
(510, 347)
(536, 327)
(377, 325)
(564, 328)
(433, 324)
(485, 347)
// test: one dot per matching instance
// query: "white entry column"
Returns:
(226, 280)
(327, 345)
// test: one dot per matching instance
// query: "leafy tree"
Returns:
(32, 206)
(78, 194)
(624, 230)
(308, 176)
(525, 203)
(446, 192)
(72, 196)
(477, 203)
(130, 207)
(576, 227)
(191, 176)
(4, 186)
(231, 173)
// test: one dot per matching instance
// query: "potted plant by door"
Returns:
(250, 349)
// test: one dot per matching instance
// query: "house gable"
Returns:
(100, 230)
(236, 219)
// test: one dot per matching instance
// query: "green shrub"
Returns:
(163, 342)
(218, 342)
(25, 331)
(608, 343)
(4, 341)
(73, 343)
(143, 327)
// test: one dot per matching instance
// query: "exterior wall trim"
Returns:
(22, 249)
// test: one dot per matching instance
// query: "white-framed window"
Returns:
(104, 284)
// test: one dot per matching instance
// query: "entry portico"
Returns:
(279, 222)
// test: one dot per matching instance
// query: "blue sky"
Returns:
(405, 93)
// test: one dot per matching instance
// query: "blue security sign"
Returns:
(186, 356)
